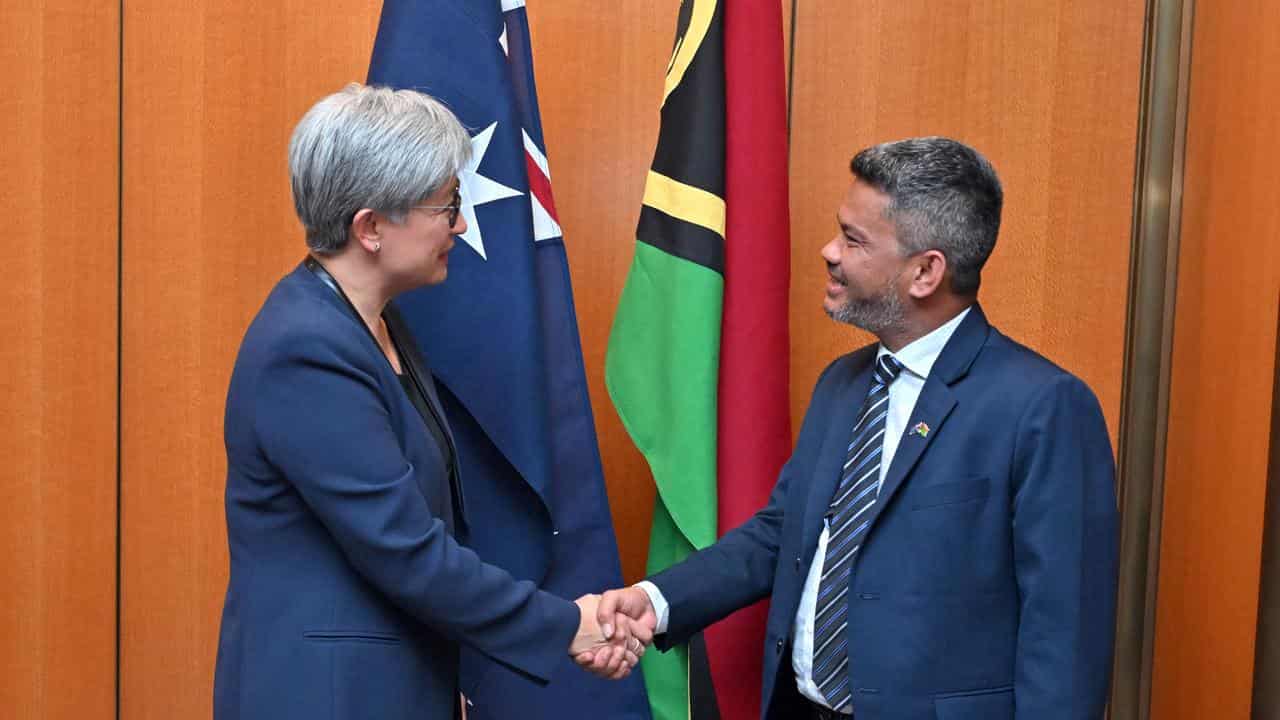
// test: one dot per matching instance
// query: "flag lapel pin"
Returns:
(921, 429)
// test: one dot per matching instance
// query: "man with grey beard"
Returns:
(943, 541)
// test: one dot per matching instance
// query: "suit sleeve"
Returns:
(731, 574)
(739, 568)
(322, 421)
(1065, 555)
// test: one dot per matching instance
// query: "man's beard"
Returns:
(875, 314)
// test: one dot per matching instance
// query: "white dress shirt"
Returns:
(917, 360)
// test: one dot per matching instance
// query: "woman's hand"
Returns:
(611, 657)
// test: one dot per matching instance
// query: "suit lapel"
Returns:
(826, 473)
(416, 365)
(318, 280)
(412, 355)
(934, 405)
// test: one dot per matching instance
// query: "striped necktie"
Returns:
(847, 521)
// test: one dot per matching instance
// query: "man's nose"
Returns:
(831, 251)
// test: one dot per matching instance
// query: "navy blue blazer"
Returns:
(985, 587)
(349, 596)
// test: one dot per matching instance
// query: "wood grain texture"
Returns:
(1223, 364)
(212, 92)
(600, 72)
(59, 149)
(1048, 91)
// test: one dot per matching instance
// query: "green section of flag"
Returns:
(666, 675)
(661, 371)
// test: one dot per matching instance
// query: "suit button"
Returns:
(798, 563)
(779, 646)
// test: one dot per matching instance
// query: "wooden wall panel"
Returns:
(212, 91)
(601, 128)
(1048, 91)
(1223, 362)
(59, 150)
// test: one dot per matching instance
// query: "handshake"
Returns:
(613, 632)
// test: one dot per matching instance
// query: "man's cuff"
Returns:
(660, 606)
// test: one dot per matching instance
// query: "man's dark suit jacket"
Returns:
(349, 596)
(985, 587)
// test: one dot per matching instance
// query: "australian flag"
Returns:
(501, 337)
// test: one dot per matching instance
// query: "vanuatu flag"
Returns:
(697, 360)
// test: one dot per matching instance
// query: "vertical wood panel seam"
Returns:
(791, 74)
(119, 339)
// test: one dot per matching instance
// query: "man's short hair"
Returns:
(943, 195)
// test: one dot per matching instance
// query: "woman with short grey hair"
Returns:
(349, 595)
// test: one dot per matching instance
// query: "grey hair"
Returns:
(370, 147)
(943, 195)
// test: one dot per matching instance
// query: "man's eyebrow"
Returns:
(849, 227)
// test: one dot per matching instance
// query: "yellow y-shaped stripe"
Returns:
(685, 202)
(688, 44)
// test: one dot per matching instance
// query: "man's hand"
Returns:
(610, 656)
(627, 619)
(631, 602)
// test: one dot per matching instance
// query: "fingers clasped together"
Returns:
(614, 631)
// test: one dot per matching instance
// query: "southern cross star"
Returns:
(478, 190)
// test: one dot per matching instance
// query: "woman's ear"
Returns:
(365, 230)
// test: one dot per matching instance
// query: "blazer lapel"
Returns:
(826, 472)
(411, 356)
(934, 405)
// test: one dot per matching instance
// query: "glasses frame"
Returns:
(454, 207)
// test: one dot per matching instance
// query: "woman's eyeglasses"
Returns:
(454, 207)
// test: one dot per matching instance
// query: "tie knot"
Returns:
(887, 369)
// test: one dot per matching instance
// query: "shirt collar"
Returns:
(919, 355)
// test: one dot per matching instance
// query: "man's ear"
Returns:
(928, 272)
(365, 229)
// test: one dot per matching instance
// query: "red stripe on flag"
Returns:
(540, 186)
(754, 416)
